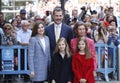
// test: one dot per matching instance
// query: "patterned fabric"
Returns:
(5, 39)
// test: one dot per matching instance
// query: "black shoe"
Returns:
(27, 81)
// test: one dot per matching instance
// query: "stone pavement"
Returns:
(108, 82)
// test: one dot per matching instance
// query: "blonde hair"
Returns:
(67, 50)
(102, 24)
(7, 25)
(87, 51)
(88, 24)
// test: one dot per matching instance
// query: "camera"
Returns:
(83, 8)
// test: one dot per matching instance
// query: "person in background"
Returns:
(8, 39)
(46, 21)
(74, 17)
(23, 14)
(18, 18)
(112, 15)
(60, 69)
(48, 16)
(87, 18)
(39, 54)
(82, 13)
(24, 34)
(112, 40)
(101, 13)
(94, 26)
(83, 63)
(2, 20)
(37, 18)
(101, 37)
(111, 18)
(67, 19)
(89, 30)
(58, 29)
(30, 14)
(14, 24)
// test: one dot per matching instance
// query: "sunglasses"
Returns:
(7, 28)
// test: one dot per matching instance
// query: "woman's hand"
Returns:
(82, 80)
(32, 74)
(102, 31)
(94, 73)
(10, 43)
(69, 82)
(53, 81)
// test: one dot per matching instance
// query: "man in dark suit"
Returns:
(52, 30)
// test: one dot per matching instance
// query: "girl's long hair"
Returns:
(87, 51)
(67, 50)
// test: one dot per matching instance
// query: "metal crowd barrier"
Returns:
(118, 68)
(7, 56)
(105, 67)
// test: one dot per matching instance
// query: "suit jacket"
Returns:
(38, 58)
(61, 69)
(66, 32)
(91, 47)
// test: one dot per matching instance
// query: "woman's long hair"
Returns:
(87, 51)
(67, 50)
(35, 28)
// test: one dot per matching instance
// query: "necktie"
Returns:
(57, 33)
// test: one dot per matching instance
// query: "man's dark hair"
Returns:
(110, 8)
(57, 8)
(82, 8)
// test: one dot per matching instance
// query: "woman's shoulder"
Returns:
(32, 38)
(74, 39)
(45, 36)
(89, 39)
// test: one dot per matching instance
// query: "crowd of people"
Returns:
(61, 48)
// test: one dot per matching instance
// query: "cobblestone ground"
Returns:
(20, 80)
(108, 82)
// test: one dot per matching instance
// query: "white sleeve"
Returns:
(18, 37)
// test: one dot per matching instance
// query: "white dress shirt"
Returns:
(24, 36)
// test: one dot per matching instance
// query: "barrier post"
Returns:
(118, 62)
